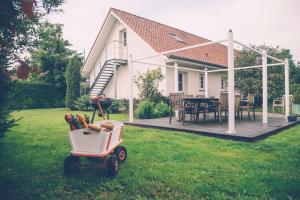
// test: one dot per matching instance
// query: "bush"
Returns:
(29, 94)
(294, 88)
(148, 85)
(161, 109)
(73, 82)
(114, 108)
(124, 105)
(83, 103)
(297, 96)
(145, 110)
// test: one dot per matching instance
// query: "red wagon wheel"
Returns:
(121, 153)
(113, 165)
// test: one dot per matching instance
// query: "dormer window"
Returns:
(176, 37)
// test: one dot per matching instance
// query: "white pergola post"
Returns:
(130, 70)
(175, 77)
(231, 95)
(115, 80)
(287, 87)
(265, 86)
(206, 83)
(176, 83)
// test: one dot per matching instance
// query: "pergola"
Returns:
(230, 71)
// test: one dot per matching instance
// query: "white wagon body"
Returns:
(92, 143)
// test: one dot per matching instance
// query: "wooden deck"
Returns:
(247, 130)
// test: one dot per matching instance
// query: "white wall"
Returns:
(139, 49)
(192, 82)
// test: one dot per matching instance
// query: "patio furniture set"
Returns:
(194, 106)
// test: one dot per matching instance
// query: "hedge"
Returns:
(27, 94)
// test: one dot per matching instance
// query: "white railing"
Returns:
(114, 50)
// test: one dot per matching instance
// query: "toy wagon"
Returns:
(103, 144)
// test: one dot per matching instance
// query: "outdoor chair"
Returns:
(223, 105)
(189, 109)
(213, 107)
(248, 105)
(280, 102)
(176, 103)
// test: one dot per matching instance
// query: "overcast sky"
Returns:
(271, 22)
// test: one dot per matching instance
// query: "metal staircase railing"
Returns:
(114, 53)
(102, 79)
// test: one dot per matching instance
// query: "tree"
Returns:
(51, 54)
(148, 83)
(18, 25)
(250, 80)
(73, 81)
(5, 121)
(18, 20)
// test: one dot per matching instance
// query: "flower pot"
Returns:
(292, 118)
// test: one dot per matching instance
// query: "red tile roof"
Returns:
(159, 37)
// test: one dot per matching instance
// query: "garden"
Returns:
(44, 85)
(160, 165)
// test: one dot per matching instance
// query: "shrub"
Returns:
(83, 103)
(297, 96)
(73, 82)
(161, 109)
(148, 84)
(294, 88)
(34, 94)
(114, 108)
(145, 110)
(124, 105)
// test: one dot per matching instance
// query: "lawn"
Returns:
(161, 164)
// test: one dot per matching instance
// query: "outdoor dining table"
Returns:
(197, 101)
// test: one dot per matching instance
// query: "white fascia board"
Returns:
(194, 64)
(88, 65)
(134, 33)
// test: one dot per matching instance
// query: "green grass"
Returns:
(161, 164)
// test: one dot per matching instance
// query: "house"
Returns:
(123, 34)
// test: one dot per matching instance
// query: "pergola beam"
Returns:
(180, 49)
(249, 67)
(257, 51)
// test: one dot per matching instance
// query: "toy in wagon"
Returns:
(101, 139)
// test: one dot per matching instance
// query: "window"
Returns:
(201, 81)
(123, 37)
(223, 83)
(180, 82)
(176, 37)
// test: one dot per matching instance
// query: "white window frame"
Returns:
(223, 83)
(123, 37)
(182, 82)
(201, 81)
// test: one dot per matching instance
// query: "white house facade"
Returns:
(125, 36)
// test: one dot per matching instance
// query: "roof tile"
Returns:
(159, 37)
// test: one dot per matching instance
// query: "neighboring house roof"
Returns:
(164, 38)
